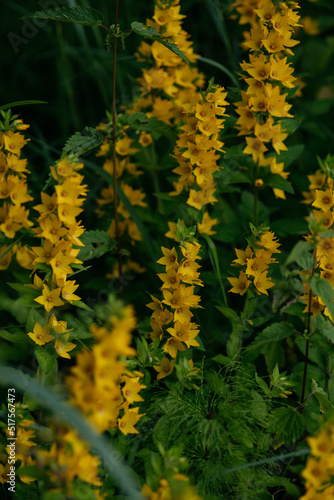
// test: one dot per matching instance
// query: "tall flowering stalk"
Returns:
(267, 74)
(59, 232)
(197, 150)
(101, 384)
(14, 215)
(173, 324)
(167, 82)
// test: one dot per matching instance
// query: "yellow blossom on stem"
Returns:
(239, 285)
(63, 347)
(165, 368)
(41, 334)
(50, 298)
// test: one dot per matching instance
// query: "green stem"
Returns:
(307, 350)
(114, 124)
(256, 196)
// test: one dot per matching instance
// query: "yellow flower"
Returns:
(173, 345)
(170, 258)
(14, 142)
(267, 240)
(165, 368)
(63, 347)
(239, 285)
(68, 290)
(41, 334)
(323, 199)
(145, 139)
(60, 265)
(50, 298)
(128, 421)
(262, 283)
(52, 229)
(131, 389)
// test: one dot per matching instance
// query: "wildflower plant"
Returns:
(166, 319)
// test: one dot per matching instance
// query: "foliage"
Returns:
(167, 303)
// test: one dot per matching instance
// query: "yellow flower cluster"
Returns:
(196, 149)
(322, 200)
(319, 469)
(59, 231)
(23, 455)
(13, 188)
(101, 384)
(68, 459)
(256, 263)
(179, 282)
(181, 491)
(169, 83)
(124, 165)
(266, 74)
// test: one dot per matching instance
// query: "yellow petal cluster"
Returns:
(101, 384)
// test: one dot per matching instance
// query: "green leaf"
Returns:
(14, 337)
(325, 326)
(81, 142)
(81, 305)
(101, 239)
(79, 15)
(273, 333)
(20, 103)
(300, 249)
(24, 289)
(323, 289)
(229, 314)
(142, 350)
(289, 156)
(149, 32)
(262, 384)
(276, 181)
(322, 398)
(290, 125)
(139, 121)
(287, 423)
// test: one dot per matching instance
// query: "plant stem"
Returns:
(307, 350)
(256, 196)
(114, 125)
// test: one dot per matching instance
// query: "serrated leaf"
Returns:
(79, 15)
(276, 181)
(325, 327)
(139, 121)
(273, 333)
(96, 236)
(322, 398)
(81, 142)
(103, 243)
(151, 33)
(323, 289)
(287, 424)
